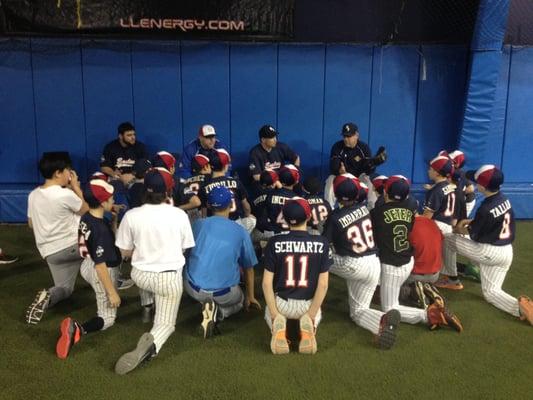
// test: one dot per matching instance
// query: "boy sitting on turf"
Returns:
(96, 242)
(295, 280)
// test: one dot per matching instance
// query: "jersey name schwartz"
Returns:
(299, 247)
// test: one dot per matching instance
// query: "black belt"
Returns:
(217, 293)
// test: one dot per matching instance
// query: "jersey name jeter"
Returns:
(298, 247)
(398, 214)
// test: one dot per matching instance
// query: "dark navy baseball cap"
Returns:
(378, 182)
(267, 131)
(346, 187)
(488, 176)
(312, 185)
(397, 187)
(219, 198)
(296, 210)
(158, 180)
(349, 129)
(164, 159)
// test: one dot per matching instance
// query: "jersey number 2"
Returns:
(302, 281)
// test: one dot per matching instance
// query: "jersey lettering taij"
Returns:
(274, 209)
(494, 221)
(297, 259)
(349, 229)
(97, 241)
(440, 199)
(195, 182)
(233, 184)
(392, 223)
(320, 209)
(260, 159)
(355, 159)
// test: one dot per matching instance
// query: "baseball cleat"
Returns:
(279, 343)
(144, 351)
(307, 343)
(452, 320)
(388, 327)
(446, 283)
(123, 284)
(7, 259)
(526, 309)
(470, 271)
(36, 310)
(70, 335)
(209, 313)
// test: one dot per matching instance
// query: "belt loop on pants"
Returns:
(216, 293)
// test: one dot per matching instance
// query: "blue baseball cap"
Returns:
(219, 198)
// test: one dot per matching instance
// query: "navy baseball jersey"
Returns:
(233, 184)
(320, 209)
(195, 182)
(355, 159)
(494, 221)
(296, 259)
(440, 200)
(180, 194)
(460, 203)
(274, 209)
(260, 159)
(350, 231)
(392, 223)
(122, 158)
(259, 209)
(97, 241)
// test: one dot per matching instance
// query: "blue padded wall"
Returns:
(517, 160)
(18, 149)
(108, 94)
(71, 94)
(300, 101)
(156, 75)
(205, 88)
(346, 94)
(393, 106)
(254, 93)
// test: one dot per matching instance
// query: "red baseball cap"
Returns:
(443, 165)
(289, 175)
(296, 210)
(346, 187)
(397, 187)
(488, 176)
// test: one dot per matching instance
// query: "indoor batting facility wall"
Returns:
(67, 94)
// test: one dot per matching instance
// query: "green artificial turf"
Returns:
(492, 358)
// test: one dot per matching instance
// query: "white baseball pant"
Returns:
(469, 207)
(166, 289)
(362, 277)
(392, 279)
(103, 308)
(292, 309)
(494, 263)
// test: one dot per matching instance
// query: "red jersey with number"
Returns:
(426, 239)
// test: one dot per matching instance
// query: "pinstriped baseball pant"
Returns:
(104, 309)
(292, 309)
(446, 229)
(166, 289)
(494, 263)
(392, 278)
(362, 277)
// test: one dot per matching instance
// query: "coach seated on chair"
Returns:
(204, 144)
(119, 155)
(212, 275)
(270, 154)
